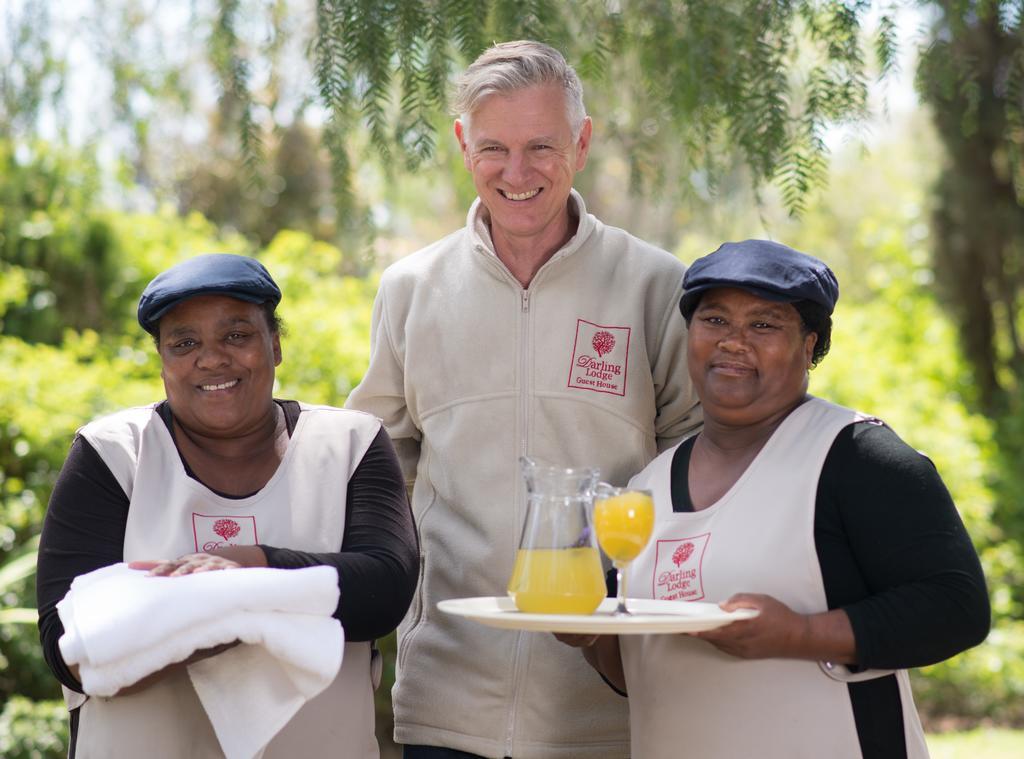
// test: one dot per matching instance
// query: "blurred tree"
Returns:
(291, 189)
(32, 75)
(972, 74)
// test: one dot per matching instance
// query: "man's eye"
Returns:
(184, 344)
(763, 325)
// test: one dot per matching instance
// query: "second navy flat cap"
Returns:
(767, 269)
(239, 277)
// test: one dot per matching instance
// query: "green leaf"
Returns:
(20, 566)
(18, 616)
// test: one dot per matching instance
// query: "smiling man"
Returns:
(536, 330)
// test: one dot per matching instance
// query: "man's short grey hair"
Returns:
(510, 66)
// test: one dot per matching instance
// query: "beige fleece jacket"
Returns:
(469, 371)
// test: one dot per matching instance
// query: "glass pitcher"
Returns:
(558, 566)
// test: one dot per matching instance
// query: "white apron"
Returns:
(689, 699)
(302, 507)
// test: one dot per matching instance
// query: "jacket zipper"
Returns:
(524, 411)
(524, 406)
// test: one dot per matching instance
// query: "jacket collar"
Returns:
(480, 233)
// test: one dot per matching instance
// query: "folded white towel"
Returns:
(160, 608)
(121, 625)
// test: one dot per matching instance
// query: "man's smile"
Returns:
(520, 195)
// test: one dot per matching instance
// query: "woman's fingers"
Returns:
(188, 564)
(145, 564)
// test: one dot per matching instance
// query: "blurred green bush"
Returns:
(33, 729)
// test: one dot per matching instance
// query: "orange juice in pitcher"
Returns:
(557, 580)
(558, 567)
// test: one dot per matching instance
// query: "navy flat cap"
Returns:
(767, 269)
(212, 274)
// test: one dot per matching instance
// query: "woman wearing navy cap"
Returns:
(222, 475)
(842, 536)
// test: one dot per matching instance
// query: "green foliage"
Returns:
(979, 743)
(327, 319)
(984, 684)
(33, 729)
(46, 392)
(57, 261)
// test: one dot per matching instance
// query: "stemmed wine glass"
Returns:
(623, 520)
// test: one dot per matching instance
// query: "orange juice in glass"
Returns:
(623, 521)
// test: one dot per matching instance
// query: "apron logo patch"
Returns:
(677, 569)
(599, 358)
(219, 531)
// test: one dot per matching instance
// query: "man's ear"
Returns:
(583, 143)
(461, 136)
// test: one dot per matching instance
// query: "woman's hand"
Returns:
(780, 632)
(229, 557)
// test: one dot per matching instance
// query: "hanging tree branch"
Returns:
(709, 70)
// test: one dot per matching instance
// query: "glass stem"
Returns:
(620, 590)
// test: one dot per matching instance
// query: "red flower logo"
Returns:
(682, 553)
(226, 528)
(603, 342)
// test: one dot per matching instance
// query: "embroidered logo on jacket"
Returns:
(677, 569)
(599, 358)
(219, 531)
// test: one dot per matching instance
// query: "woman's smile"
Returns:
(219, 386)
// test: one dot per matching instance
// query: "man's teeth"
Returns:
(521, 195)
(221, 386)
